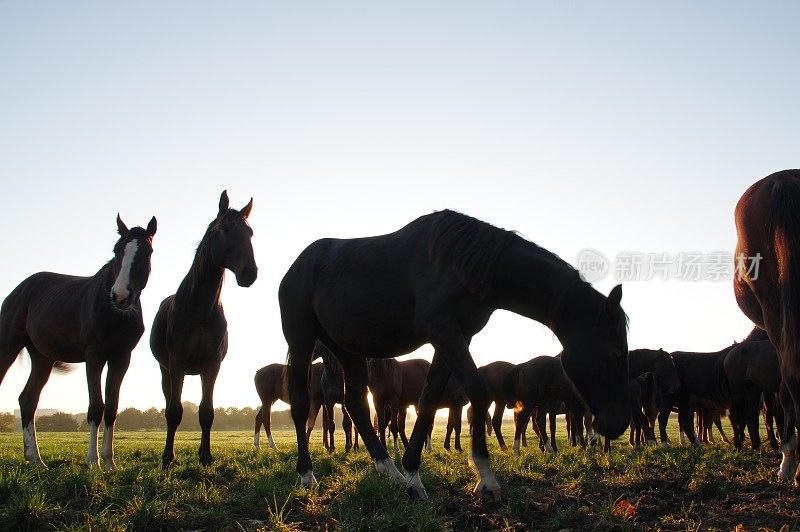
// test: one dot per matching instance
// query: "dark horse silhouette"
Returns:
(272, 384)
(438, 280)
(190, 334)
(385, 381)
(767, 285)
(332, 384)
(64, 318)
(666, 385)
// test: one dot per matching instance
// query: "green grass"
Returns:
(244, 489)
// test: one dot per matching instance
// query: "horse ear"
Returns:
(245, 212)
(122, 229)
(223, 202)
(152, 226)
(614, 299)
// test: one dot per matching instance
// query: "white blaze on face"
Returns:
(120, 288)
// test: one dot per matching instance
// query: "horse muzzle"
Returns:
(247, 277)
(123, 304)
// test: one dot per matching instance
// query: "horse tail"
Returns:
(509, 385)
(63, 367)
(786, 212)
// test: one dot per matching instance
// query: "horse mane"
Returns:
(756, 335)
(468, 247)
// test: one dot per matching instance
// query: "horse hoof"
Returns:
(109, 465)
(665, 445)
(308, 480)
(488, 493)
(38, 464)
(93, 464)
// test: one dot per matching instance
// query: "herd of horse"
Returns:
(359, 303)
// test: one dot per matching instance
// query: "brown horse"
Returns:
(665, 386)
(752, 368)
(540, 385)
(190, 333)
(767, 285)
(333, 392)
(709, 414)
(385, 382)
(64, 318)
(494, 373)
(272, 385)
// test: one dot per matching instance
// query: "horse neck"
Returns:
(535, 283)
(641, 361)
(200, 290)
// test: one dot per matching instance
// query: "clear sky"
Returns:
(621, 126)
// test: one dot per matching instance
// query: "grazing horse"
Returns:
(438, 280)
(767, 285)
(541, 385)
(333, 392)
(67, 319)
(666, 385)
(272, 384)
(703, 375)
(190, 333)
(386, 385)
(494, 373)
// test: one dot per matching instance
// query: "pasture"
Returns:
(680, 488)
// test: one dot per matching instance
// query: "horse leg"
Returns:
(541, 421)
(266, 419)
(117, 367)
(313, 412)
(330, 428)
(769, 418)
(718, 423)
(325, 421)
(449, 429)
(301, 347)
(401, 426)
(522, 416)
(431, 396)
(497, 423)
(41, 367)
(172, 385)
(456, 412)
(394, 413)
(206, 414)
(257, 428)
(686, 419)
(355, 378)
(347, 428)
(753, 406)
(94, 374)
(380, 413)
(663, 419)
(552, 415)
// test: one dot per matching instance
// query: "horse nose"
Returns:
(248, 276)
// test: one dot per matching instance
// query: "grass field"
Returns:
(244, 489)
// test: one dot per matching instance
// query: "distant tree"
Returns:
(7, 422)
(130, 419)
(58, 422)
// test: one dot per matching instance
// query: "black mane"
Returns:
(468, 246)
(757, 335)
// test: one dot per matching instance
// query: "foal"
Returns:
(65, 318)
(190, 333)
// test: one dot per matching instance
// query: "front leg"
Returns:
(206, 414)
(172, 386)
(117, 367)
(94, 374)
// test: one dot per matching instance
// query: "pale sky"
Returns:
(620, 126)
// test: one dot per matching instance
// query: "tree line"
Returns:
(133, 419)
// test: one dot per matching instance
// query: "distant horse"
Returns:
(709, 414)
(666, 384)
(272, 385)
(454, 399)
(494, 373)
(540, 384)
(703, 375)
(385, 382)
(67, 319)
(767, 285)
(333, 392)
(414, 374)
(190, 333)
(641, 391)
(438, 280)
(752, 368)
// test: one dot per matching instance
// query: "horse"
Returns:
(767, 285)
(64, 319)
(385, 381)
(438, 280)
(752, 368)
(272, 385)
(641, 392)
(666, 385)
(493, 373)
(702, 375)
(540, 385)
(333, 392)
(190, 333)
(453, 399)
(414, 374)
(709, 414)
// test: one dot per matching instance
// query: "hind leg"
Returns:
(394, 415)
(257, 428)
(41, 367)
(497, 423)
(456, 413)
